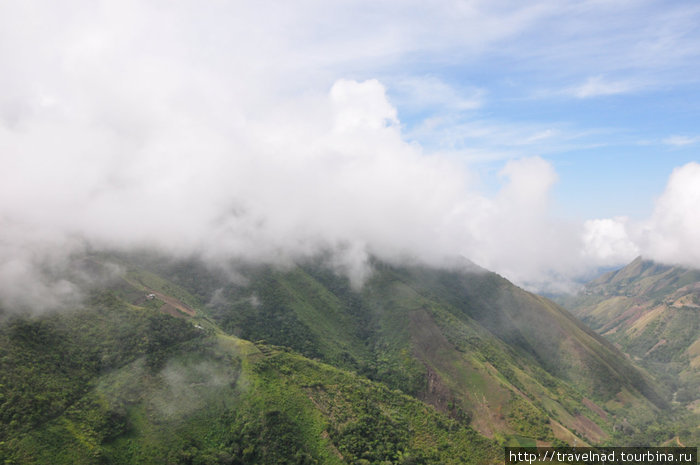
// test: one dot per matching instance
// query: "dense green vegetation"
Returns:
(462, 339)
(208, 399)
(416, 367)
(47, 363)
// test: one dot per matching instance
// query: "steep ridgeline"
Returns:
(139, 374)
(514, 365)
(175, 362)
(651, 312)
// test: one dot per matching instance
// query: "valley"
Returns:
(650, 311)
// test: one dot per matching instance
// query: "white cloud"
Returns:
(515, 234)
(358, 105)
(540, 136)
(672, 234)
(597, 86)
(606, 242)
(421, 93)
(264, 131)
(681, 141)
(228, 130)
(316, 172)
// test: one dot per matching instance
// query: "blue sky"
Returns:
(540, 139)
(606, 91)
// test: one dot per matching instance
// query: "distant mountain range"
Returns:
(177, 361)
(652, 313)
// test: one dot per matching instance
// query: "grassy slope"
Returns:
(539, 349)
(213, 404)
(652, 312)
(122, 383)
(468, 342)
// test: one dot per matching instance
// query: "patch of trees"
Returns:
(48, 362)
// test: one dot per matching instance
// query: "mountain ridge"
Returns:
(464, 341)
(381, 329)
(651, 311)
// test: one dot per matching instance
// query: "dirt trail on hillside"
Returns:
(171, 303)
(174, 302)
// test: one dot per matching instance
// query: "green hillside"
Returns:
(174, 361)
(464, 340)
(118, 383)
(652, 313)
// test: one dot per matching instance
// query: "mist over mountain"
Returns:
(305, 232)
(170, 358)
(226, 131)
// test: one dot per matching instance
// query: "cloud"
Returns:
(477, 139)
(324, 171)
(606, 242)
(515, 234)
(228, 132)
(598, 86)
(357, 105)
(423, 93)
(321, 171)
(613, 47)
(265, 132)
(672, 233)
(681, 141)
